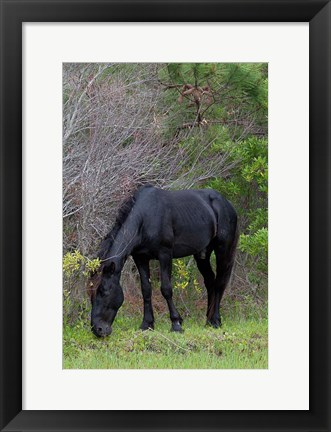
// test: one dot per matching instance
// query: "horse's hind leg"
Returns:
(224, 263)
(166, 290)
(208, 275)
(142, 264)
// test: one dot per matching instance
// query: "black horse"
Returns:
(162, 225)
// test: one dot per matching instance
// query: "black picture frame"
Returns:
(13, 14)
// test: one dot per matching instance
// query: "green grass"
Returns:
(240, 343)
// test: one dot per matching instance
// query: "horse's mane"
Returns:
(122, 214)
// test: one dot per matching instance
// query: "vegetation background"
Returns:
(176, 126)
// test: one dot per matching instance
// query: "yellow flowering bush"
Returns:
(183, 275)
(75, 261)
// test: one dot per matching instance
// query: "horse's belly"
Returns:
(185, 245)
(180, 251)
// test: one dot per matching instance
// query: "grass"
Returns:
(241, 343)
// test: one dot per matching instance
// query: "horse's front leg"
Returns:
(142, 264)
(165, 259)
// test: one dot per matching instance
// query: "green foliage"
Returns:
(183, 276)
(228, 90)
(74, 262)
(75, 311)
(247, 189)
(248, 184)
(256, 245)
(258, 219)
(76, 270)
(92, 266)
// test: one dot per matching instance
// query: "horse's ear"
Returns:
(109, 268)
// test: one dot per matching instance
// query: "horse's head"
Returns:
(106, 298)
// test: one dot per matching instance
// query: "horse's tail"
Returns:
(233, 239)
(224, 210)
(233, 247)
(226, 238)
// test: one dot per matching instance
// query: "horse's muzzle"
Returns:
(101, 329)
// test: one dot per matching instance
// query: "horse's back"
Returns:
(185, 220)
(186, 207)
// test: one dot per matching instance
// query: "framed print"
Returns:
(100, 98)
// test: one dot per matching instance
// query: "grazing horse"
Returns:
(162, 225)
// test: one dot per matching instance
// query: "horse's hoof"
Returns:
(147, 326)
(176, 327)
(213, 323)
